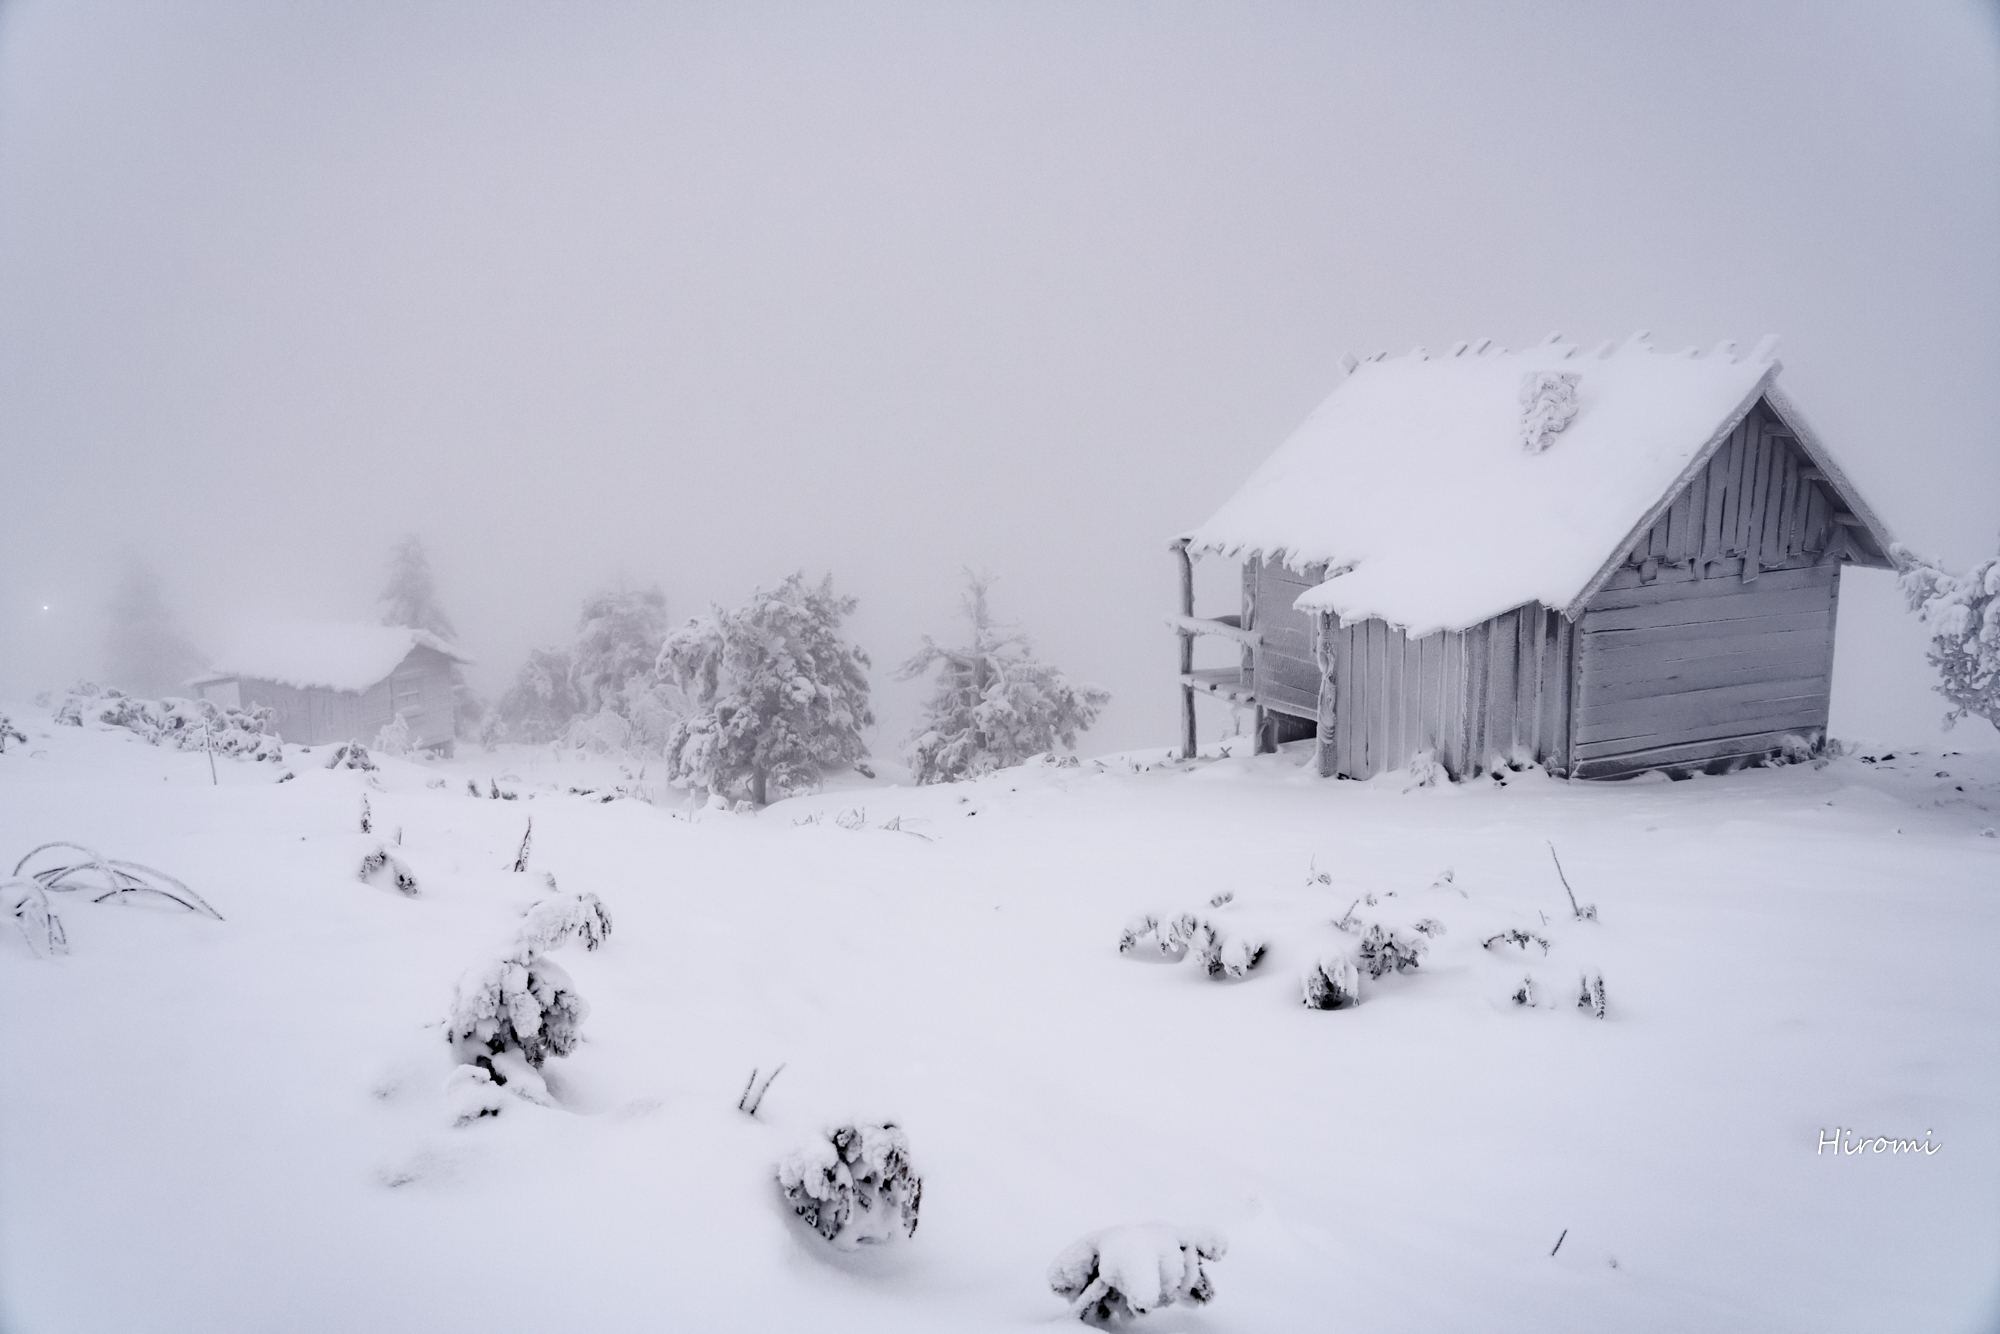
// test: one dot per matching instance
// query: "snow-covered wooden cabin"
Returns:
(341, 682)
(1601, 563)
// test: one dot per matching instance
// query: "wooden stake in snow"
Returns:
(208, 744)
(521, 857)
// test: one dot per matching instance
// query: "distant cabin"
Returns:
(329, 683)
(1602, 564)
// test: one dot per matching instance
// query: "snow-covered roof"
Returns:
(309, 655)
(1416, 483)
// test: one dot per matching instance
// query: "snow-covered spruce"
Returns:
(1123, 1272)
(776, 697)
(854, 1185)
(393, 737)
(1381, 951)
(1592, 995)
(1331, 984)
(1961, 613)
(993, 705)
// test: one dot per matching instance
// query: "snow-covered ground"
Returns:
(243, 1125)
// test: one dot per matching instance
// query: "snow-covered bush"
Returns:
(776, 697)
(1382, 951)
(560, 918)
(1331, 984)
(994, 704)
(183, 724)
(69, 868)
(350, 755)
(522, 1005)
(1123, 1272)
(854, 1185)
(600, 693)
(1224, 954)
(377, 866)
(541, 701)
(1149, 937)
(1961, 613)
(1592, 997)
(9, 732)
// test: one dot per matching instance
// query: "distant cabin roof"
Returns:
(1413, 480)
(308, 656)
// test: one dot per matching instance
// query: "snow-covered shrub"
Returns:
(994, 704)
(541, 701)
(73, 868)
(1331, 984)
(1149, 937)
(1383, 950)
(378, 866)
(1525, 995)
(350, 755)
(1223, 954)
(854, 1185)
(1514, 935)
(1123, 1272)
(1548, 404)
(561, 917)
(522, 1004)
(183, 724)
(1961, 613)
(9, 732)
(1592, 997)
(776, 697)
(568, 695)
(472, 1091)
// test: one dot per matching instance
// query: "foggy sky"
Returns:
(700, 295)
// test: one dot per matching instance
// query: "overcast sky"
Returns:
(699, 295)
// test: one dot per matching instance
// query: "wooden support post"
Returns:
(1324, 758)
(1187, 650)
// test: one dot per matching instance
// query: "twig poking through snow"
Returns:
(1586, 913)
(527, 838)
(367, 816)
(753, 1092)
(1559, 1242)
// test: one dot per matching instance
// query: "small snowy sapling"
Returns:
(1225, 956)
(9, 732)
(1150, 938)
(854, 1185)
(994, 704)
(379, 865)
(1124, 1272)
(1382, 951)
(1592, 997)
(1961, 613)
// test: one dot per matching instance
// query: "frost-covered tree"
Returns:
(776, 697)
(617, 643)
(145, 652)
(994, 705)
(542, 699)
(410, 597)
(1961, 612)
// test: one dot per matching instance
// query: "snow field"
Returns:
(245, 1124)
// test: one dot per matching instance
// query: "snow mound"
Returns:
(1129, 1271)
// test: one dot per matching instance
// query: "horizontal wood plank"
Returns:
(1695, 706)
(1741, 602)
(1640, 675)
(1711, 639)
(1667, 589)
(1801, 715)
(1693, 753)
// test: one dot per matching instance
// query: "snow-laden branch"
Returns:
(1197, 625)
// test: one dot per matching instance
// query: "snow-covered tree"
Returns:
(1123, 1272)
(410, 597)
(145, 652)
(776, 697)
(617, 643)
(542, 699)
(994, 704)
(1961, 612)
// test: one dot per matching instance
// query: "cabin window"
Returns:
(406, 695)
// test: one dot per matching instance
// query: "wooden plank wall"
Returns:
(1286, 675)
(1715, 641)
(1496, 692)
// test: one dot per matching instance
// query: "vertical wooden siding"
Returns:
(1716, 640)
